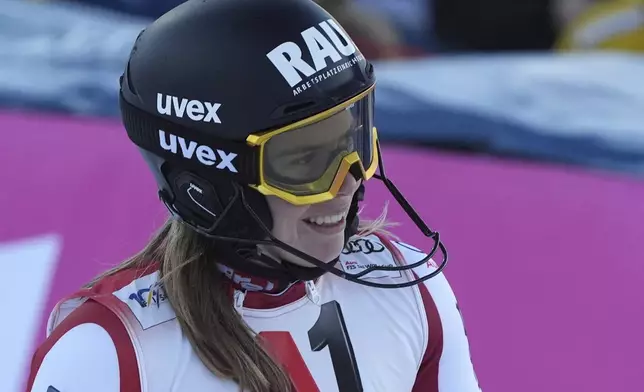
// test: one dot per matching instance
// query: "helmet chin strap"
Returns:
(272, 252)
(351, 228)
(258, 260)
(238, 252)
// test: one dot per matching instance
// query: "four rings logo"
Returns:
(362, 246)
(324, 42)
(195, 110)
(205, 154)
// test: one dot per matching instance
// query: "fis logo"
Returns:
(205, 154)
(148, 296)
(324, 42)
(195, 110)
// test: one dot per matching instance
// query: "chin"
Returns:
(331, 251)
(323, 246)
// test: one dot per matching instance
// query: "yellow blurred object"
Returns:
(606, 25)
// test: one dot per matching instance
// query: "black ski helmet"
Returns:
(205, 84)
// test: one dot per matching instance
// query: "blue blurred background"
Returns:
(557, 84)
(522, 79)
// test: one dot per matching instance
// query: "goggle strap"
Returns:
(234, 160)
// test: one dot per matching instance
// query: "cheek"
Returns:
(287, 218)
(287, 229)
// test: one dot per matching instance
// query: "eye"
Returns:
(302, 159)
(346, 142)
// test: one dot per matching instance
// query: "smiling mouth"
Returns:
(327, 220)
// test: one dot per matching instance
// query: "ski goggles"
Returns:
(306, 162)
(303, 163)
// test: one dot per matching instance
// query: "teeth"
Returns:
(327, 220)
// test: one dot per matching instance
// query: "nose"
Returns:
(349, 186)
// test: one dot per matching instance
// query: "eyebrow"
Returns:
(300, 150)
(310, 147)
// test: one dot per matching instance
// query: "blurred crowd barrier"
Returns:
(582, 108)
(544, 256)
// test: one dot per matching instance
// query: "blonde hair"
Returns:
(195, 288)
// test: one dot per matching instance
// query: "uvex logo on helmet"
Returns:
(325, 41)
(196, 110)
(205, 155)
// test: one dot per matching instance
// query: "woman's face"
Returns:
(317, 229)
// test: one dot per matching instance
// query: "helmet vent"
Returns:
(294, 108)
